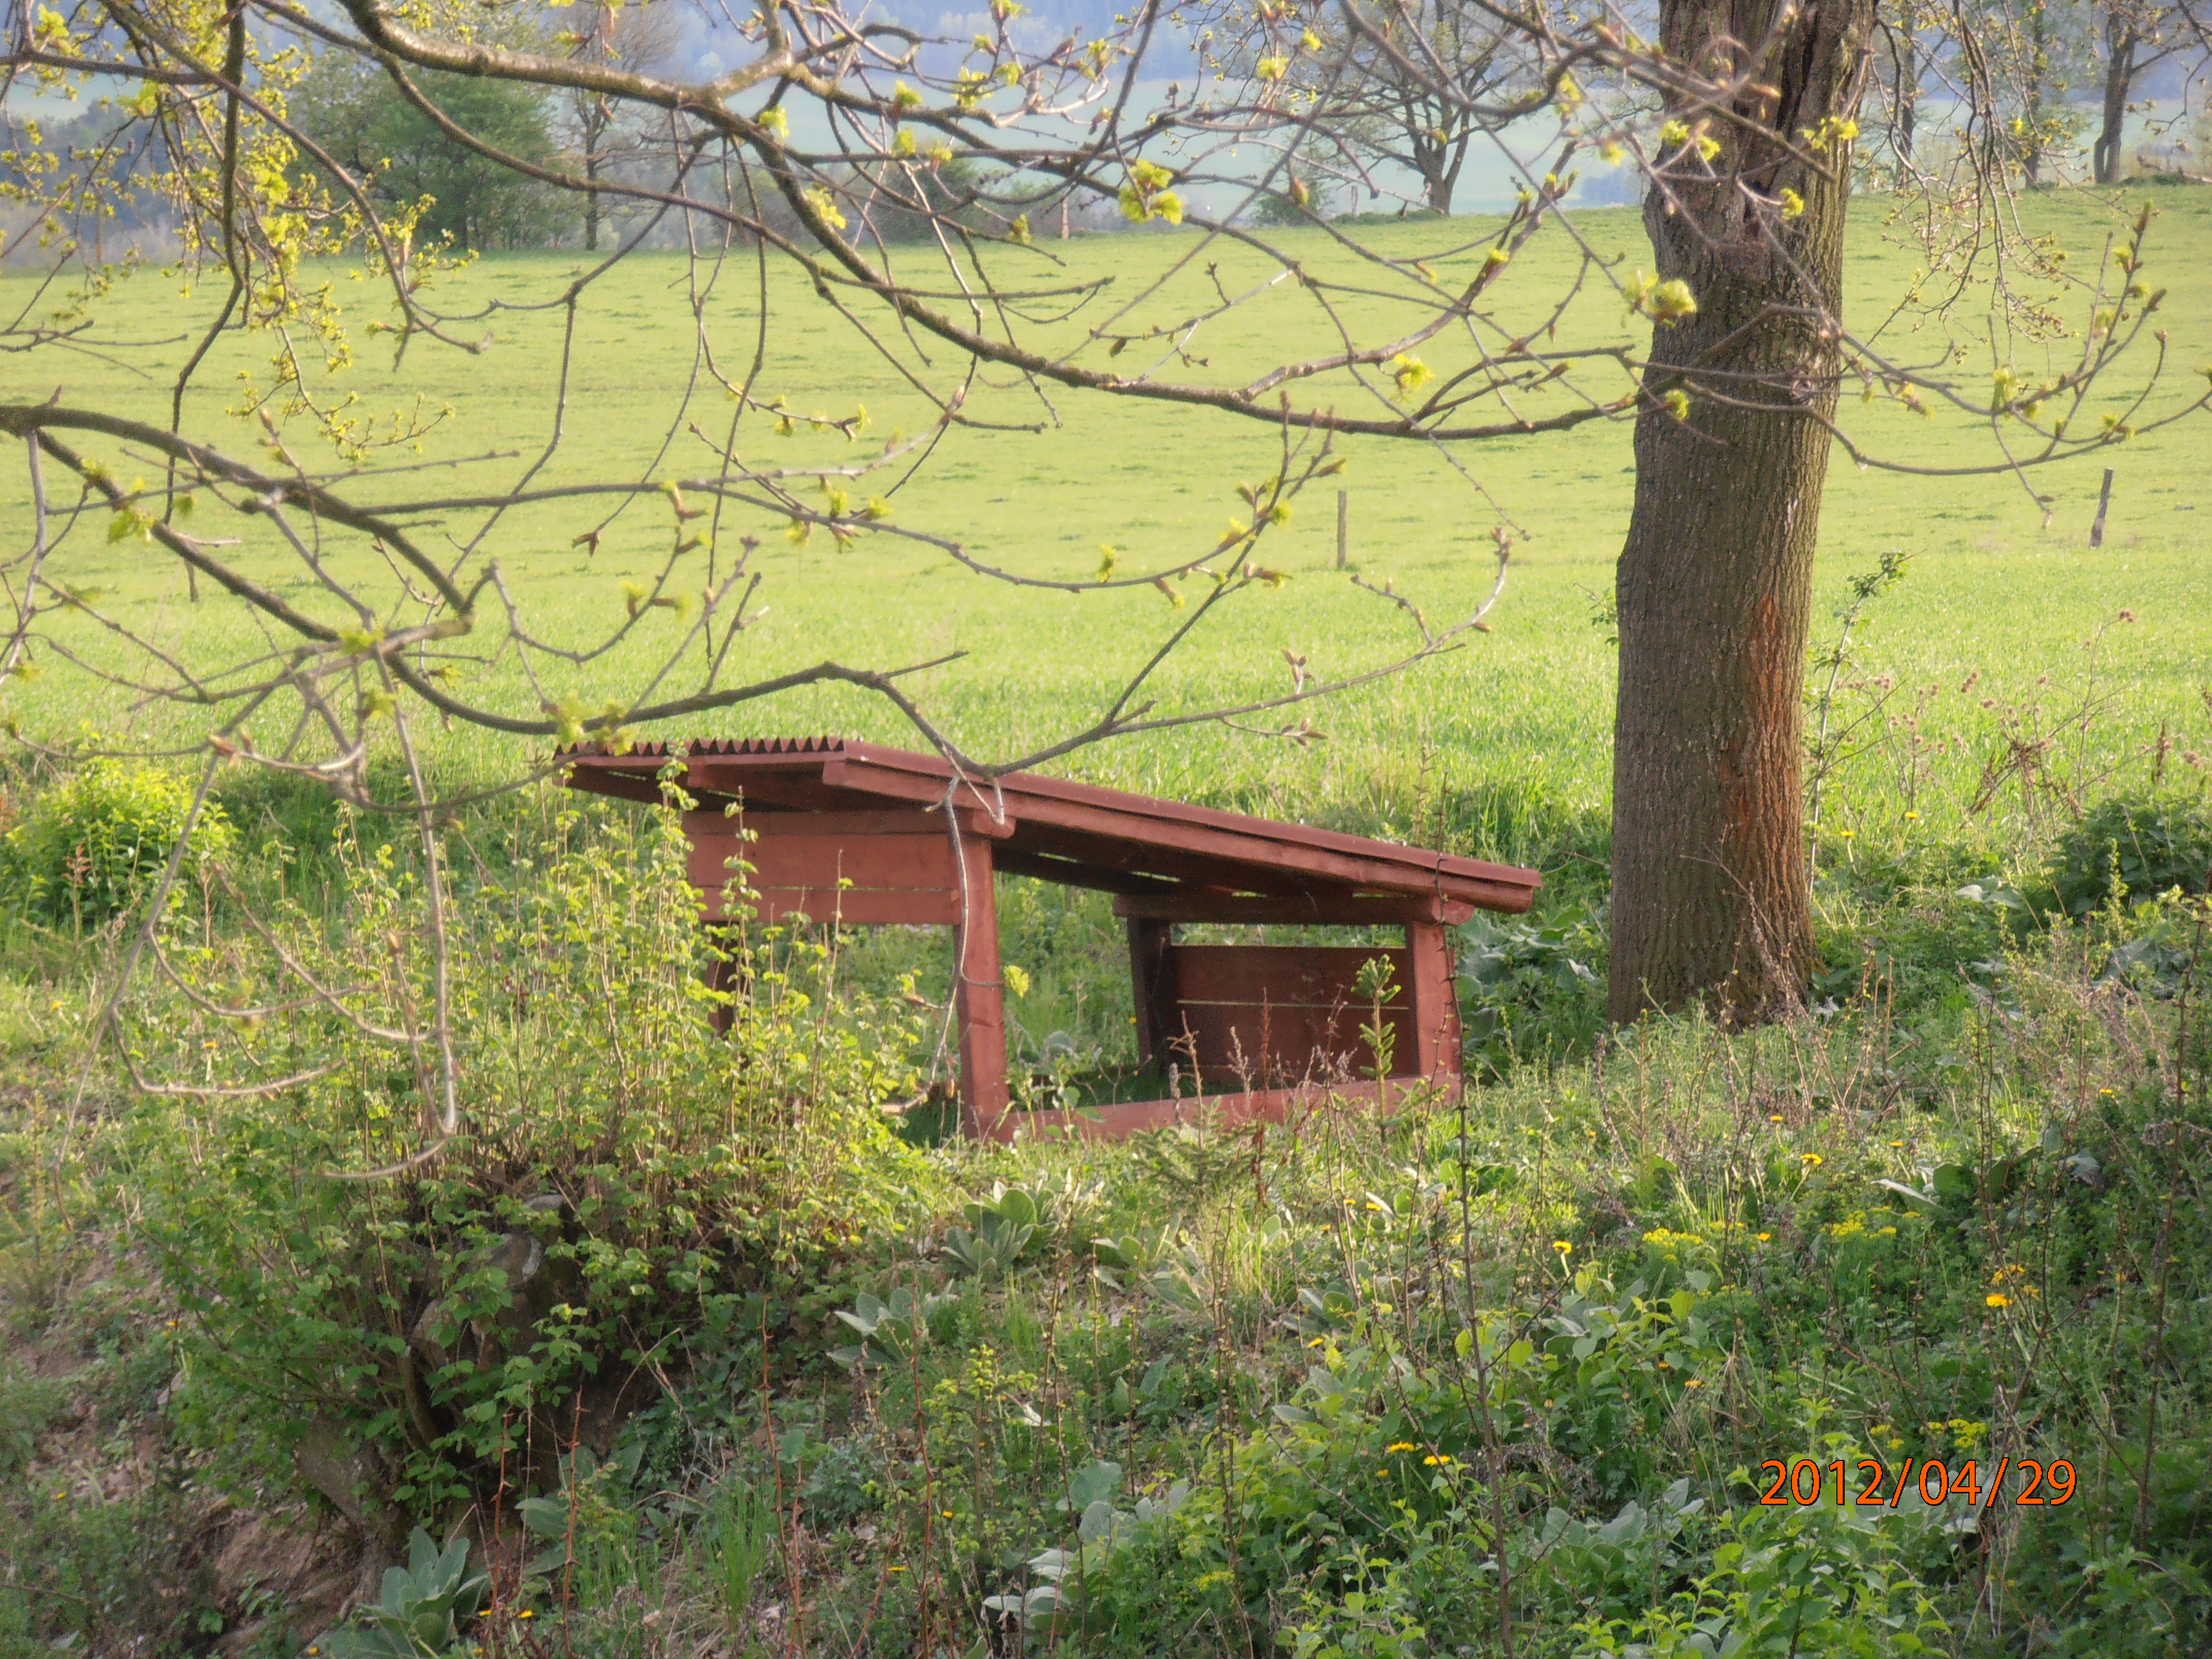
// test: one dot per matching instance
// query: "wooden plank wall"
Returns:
(900, 866)
(1281, 1014)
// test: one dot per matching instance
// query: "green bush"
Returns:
(2134, 848)
(626, 1185)
(90, 847)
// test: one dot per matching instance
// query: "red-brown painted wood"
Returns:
(979, 992)
(848, 907)
(1272, 1045)
(902, 821)
(1104, 848)
(1433, 1014)
(1320, 908)
(1074, 873)
(1313, 975)
(1153, 985)
(866, 862)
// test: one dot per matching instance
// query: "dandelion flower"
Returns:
(1765, 1238)
(1997, 1299)
(1399, 1446)
(1811, 1160)
(1563, 1246)
(1774, 1117)
(1693, 1381)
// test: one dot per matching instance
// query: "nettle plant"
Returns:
(619, 1178)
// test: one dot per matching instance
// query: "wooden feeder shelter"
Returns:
(857, 834)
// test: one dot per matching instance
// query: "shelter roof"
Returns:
(1161, 858)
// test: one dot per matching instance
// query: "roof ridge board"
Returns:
(1337, 841)
(713, 748)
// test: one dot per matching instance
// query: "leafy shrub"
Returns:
(625, 1180)
(91, 846)
(2136, 847)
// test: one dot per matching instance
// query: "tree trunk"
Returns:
(591, 197)
(2038, 70)
(2121, 39)
(1907, 71)
(1435, 160)
(1710, 897)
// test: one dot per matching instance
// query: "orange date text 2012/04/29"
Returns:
(1871, 1484)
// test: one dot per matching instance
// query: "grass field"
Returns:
(1521, 716)
(1505, 1375)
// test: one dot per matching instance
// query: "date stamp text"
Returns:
(1874, 1485)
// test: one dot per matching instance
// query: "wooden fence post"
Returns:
(2104, 501)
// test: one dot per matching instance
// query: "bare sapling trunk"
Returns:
(592, 202)
(1710, 898)
(2121, 40)
(1904, 56)
(2035, 131)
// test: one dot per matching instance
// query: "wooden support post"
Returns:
(2104, 501)
(1152, 984)
(979, 994)
(1343, 527)
(1433, 1009)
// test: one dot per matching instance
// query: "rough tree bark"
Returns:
(1710, 897)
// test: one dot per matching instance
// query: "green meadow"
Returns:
(1519, 715)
